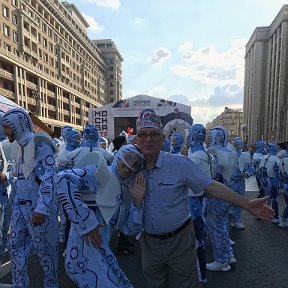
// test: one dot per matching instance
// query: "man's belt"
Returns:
(170, 234)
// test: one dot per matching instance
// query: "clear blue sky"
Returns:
(188, 51)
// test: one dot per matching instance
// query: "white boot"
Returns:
(283, 224)
(218, 266)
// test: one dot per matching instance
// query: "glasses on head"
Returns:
(152, 135)
(132, 166)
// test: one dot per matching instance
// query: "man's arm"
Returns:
(256, 207)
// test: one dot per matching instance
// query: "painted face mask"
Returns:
(238, 144)
(166, 145)
(73, 139)
(64, 132)
(90, 136)
(218, 137)
(103, 143)
(272, 148)
(20, 122)
(197, 135)
(128, 159)
(260, 147)
(177, 140)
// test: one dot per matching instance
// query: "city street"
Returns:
(261, 251)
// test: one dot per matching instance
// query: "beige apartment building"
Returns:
(232, 120)
(266, 86)
(49, 66)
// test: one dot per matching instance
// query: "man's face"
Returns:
(9, 132)
(150, 141)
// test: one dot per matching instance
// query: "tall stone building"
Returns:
(49, 65)
(266, 85)
(232, 120)
(113, 60)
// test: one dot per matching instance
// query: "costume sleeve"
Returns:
(45, 170)
(131, 224)
(129, 218)
(250, 169)
(69, 184)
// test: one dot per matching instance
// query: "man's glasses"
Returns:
(152, 135)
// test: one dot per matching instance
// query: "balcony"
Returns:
(51, 94)
(51, 107)
(29, 19)
(7, 93)
(26, 32)
(65, 100)
(6, 74)
(65, 75)
(31, 85)
(65, 112)
(31, 101)
(65, 62)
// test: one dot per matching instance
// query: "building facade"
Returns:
(266, 86)
(48, 64)
(232, 120)
(113, 60)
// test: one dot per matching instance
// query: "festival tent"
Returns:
(113, 118)
(38, 125)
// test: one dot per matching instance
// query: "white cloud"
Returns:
(205, 110)
(185, 46)
(94, 26)
(137, 21)
(114, 4)
(159, 56)
(158, 91)
(211, 67)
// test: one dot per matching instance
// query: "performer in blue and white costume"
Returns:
(257, 157)
(7, 192)
(65, 129)
(177, 141)
(103, 143)
(269, 168)
(166, 147)
(91, 197)
(197, 153)
(90, 143)
(244, 170)
(284, 173)
(34, 225)
(216, 211)
(72, 141)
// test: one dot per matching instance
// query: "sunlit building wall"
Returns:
(49, 65)
(265, 86)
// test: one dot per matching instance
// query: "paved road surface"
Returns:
(261, 250)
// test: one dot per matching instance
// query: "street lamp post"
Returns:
(37, 97)
(245, 130)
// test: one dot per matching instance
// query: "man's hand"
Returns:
(94, 237)
(38, 218)
(3, 177)
(138, 190)
(258, 208)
